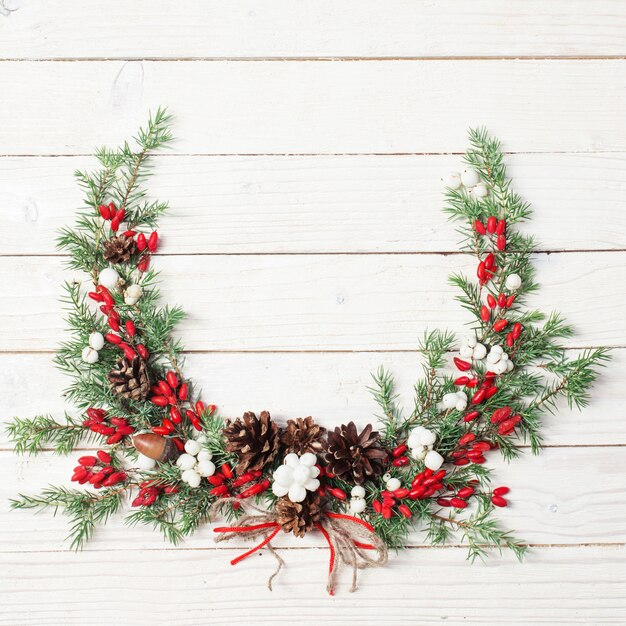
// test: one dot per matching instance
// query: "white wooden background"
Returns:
(306, 242)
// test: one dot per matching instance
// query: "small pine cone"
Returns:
(303, 435)
(355, 457)
(119, 249)
(299, 517)
(130, 379)
(255, 441)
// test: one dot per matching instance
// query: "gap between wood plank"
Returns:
(451, 546)
(312, 59)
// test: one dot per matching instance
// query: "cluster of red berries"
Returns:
(226, 485)
(494, 227)
(505, 421)
(110, 212)
(98, 471)
(112, 427)
(399, 457)
(127, 328)
(424, 485)
(459, 499)
(503, 301)
(496, 496)
(171, 392)
(469, 450)
(149, 492)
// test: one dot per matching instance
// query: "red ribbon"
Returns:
(277, 527)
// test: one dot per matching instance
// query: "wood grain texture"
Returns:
(330, 386)
(308, 302)
(564, 496)
(279, 28)
(195, 588)
(321, 203)
(316, 107)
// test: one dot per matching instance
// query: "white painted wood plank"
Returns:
(327, 302)
(316, 107)
(563, 496)
(321, 204)
(556, 586)
(150, 28)
(330, 386)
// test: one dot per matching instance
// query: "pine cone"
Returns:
(299, 517)
(255, 440)
(353, 457)
(303, 435)
(119, 249)
(130, 379)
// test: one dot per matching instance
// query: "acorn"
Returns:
(159, 448)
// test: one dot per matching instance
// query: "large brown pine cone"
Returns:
(355, 457)
(255, 440)
(119, 249)
(299, 517)
(303, 435)
(130, 379)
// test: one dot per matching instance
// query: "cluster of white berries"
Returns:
(470, 179)
(421, 442)
(90, 352)
(195, 463)
(357, 499)
(109, 278)
(455, 400)
(498, 361)
(296, 476)
(471, 349)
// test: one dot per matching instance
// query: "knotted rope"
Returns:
(348, 539)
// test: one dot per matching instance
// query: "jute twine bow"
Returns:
(349, 540)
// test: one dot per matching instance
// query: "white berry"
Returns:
(205, 468)
(449, 400)
(192, 447)
(386, 477)
(480, 191)
(204, 455)
(513, 282)
(466, 352)
(393, 484)
(357, 505)
(471, 341)
(186, 462)
(433, 460)
(108, 278)
(469, 178)
(452, 180)
(357, 492)
(90, 355)
(192, 478)
(132, 294)
(96, 341)
(480, 351)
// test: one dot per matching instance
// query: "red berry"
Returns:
(472, 415)
(517, 330)
(465, 492)
(510, 300)
(491, 225)
(458, 503)
(153, 242)
(491, 301)
(399, 451)
(143, 264)
(484, 313)
(489, 261)
(501, 242)
(509, 340)
(498, 501)
(143, 351)
(159, 400)
(467, 438)
(501, 491)
(160, 430)
(175, 415)
(401, 461)
(87, 461)
(480, 271)
(461, 365)
(377, 506)
(105, 213)
(501, 227)
(105, 457)
(142, 244)
(183, 392)
(131, 330)
(115, 339)
(478, 397)
(502, 300)
(387, 512)
(462, 380)
(500, 325)
(168, 424)
(165, 388)
(115, 224)
(172, 380)
(479, 227)
(405, 510)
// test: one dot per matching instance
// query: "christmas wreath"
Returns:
(179, 464)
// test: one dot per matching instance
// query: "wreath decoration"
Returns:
(180, 464)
